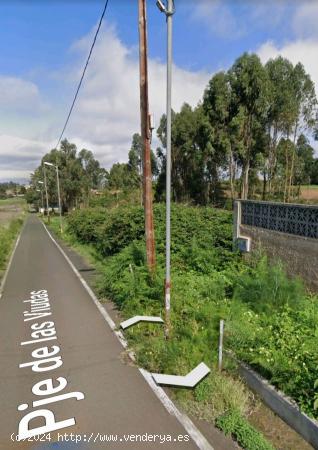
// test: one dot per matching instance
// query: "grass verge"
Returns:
(199, 302)
(8, 235)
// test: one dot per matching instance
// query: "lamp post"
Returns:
(58, 190)
(168, 10)
(41, 183)
(46, 195)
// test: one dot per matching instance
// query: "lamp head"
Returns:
(161, 6)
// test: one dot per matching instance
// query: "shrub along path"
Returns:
(91, 388)
(279, 336)
(86, 265)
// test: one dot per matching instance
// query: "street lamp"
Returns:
(168, 10)
(41, 183)
(58, 190)
(46, 195)
(39, 190)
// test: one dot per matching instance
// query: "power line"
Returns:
(83, 74)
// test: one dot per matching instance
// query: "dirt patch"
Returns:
(276, 431)
(10, 211)
(309, 193)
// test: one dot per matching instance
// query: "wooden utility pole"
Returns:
(146, 137)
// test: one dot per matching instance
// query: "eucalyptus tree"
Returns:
(250, 120)
(72, 174)
(92, 173)
(314, 172)
(304, 161)
(79, 173)
(306, 102)
(217, 105)
(118, 177)
(135, 158)
(249, 87)
(194, 167)
(292, 106)
(282, 111)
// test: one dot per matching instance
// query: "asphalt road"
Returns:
(63, 372)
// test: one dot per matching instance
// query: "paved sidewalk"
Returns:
(69, 374)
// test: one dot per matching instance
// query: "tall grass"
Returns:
(209, 282)
(7, 237)
(271, 322)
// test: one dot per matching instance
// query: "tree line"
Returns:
(81, 175)
(11, 189)
(250, 130)
(79, 172)
(249, 135)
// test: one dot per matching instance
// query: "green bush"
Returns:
(121, 227)
(266, 288)
(208, 230)
(7, 236)
(232, 423)
(270, 321)
(282, 346)
(84, 224)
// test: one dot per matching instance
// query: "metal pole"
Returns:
(47, 198)
(146, 137)
(59, 196)
(42, 199)
(221, 344)
(169, 14)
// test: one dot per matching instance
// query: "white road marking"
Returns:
(44, 359)
(136, 319)
(183, 419)
(188, 381)
(9, 264)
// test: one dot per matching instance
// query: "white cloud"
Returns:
(304, 46)
(232, 20)
(19, 157)
(18, 96)
(17, 175)
(218, 17)
(304, 51)
(19, 146)
(305, 20)
(107, 112)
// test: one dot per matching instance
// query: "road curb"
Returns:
(195, 434)
(278, 402)
(282, 405)
(3, 281)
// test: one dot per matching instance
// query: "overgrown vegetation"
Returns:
(210, 281)
(253, 124)
(7, 237)
(248, 137)
(10, 190)
(234, 424)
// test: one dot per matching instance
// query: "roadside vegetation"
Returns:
(11, 220)
(210, 282)
(7, 237)
(249, 137)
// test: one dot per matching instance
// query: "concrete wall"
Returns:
(281, 405)
(299, 254)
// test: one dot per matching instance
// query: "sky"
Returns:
(44, 45)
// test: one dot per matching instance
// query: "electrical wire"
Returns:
(83, 74)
